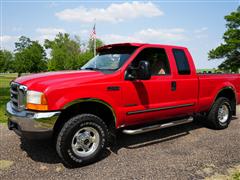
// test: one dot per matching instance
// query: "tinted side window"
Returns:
(157, 59)
(181, 61)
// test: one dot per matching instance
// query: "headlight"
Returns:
(36, 101)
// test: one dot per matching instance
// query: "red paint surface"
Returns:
(61, 88)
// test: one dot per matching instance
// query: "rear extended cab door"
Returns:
(186, 81)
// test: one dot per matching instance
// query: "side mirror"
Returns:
(143, 72)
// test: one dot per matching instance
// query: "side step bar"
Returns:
(157, 126)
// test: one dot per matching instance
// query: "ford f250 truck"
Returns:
(130, 87)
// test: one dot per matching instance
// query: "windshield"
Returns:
(109, 60)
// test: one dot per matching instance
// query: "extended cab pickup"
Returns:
(130, 87)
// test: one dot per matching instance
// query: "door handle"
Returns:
(173, 85)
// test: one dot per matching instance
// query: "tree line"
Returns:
(65, 53)
(229, 50)
(70, 53)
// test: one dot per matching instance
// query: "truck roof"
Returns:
(109, 46)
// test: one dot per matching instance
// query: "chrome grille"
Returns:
(18, 96)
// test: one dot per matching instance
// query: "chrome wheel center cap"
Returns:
(85, 141)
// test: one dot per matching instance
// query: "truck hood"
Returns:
(59, 79)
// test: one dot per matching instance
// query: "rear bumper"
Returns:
(30, 124)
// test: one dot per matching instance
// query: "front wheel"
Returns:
(220, 115)
(82, 140)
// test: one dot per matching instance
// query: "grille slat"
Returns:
(13, 92)
(14, 100)
(17, 96)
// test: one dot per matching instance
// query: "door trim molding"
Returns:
(159, 109)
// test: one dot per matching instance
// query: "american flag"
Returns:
(93, 33)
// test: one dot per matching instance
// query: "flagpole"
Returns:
(94, 47)
(94, 40)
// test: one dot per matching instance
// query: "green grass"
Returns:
(4, 94)
(236, 176)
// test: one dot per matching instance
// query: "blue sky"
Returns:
(198, 25)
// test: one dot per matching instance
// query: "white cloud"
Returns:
(174, 34)
(149, 36)
(200, 36)
(114, 38)
(200, 33)
(50, 30)
(7, 38)
(48, 33)
(7, 41)
(113, 13)
(42, 38)
(203, 29)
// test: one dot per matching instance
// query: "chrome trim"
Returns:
(30, 121)
(13, 92)
(85, 141)
(159, 109)
(18, 95)
(157, 126)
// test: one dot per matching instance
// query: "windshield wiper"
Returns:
(90, 68)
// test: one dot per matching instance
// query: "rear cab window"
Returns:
(181, 62)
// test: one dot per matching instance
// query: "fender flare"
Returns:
(81, 100)
(222, 89)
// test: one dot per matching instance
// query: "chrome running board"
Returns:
(157, 126)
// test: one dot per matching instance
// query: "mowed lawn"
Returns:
(4, 93)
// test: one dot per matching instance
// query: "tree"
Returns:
(30, 56)
(65, 52)
(6, 58)
(84, 58)
(230, 49)
(99, 43)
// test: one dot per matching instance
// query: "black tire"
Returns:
(214, 121)
(65, 138)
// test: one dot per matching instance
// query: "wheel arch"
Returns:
(94, 106)
(227, 92)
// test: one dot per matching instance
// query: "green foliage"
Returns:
(30, 56)
(99, 43)
(230, 49)
(6, 58)
(84, 58)
(4, 94)
(65, 52)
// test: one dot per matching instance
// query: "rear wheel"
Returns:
(82, 140)
(220, 115)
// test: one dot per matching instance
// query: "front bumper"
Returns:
(30, 124)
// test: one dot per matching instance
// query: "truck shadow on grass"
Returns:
(44, 150)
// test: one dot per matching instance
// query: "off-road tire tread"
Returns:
(88, 119)
(212, 119)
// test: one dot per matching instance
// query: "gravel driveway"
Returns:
(184, 152)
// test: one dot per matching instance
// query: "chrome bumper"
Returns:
(30, 124)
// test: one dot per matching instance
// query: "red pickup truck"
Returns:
(130, 87)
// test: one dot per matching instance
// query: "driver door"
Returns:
(144, 99)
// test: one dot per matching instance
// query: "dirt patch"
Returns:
(5, 164)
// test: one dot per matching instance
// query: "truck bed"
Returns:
(209, 85)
